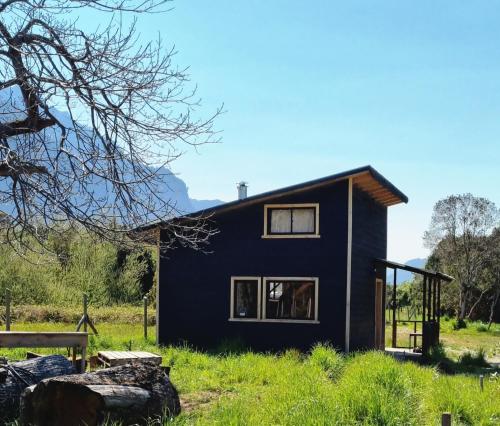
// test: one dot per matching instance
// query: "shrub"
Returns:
(459, 324)
(437, 353)
(474, 359)
(108, 274)
(481, 328)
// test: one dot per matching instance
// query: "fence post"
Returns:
(85, 308)
(145, 300)
(446, 419)
(8, 298)
(481, 382)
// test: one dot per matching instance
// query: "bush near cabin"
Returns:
(109, 274)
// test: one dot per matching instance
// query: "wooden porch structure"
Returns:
(431, 304)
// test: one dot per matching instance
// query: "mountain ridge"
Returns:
(402, 275)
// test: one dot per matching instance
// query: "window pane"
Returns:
(281, 222)
(245, 299)
(303, 221)
(290, 300)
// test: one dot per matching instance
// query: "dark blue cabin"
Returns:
(287, 268)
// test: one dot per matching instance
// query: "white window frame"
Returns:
(266, 233)
(297, 321)
(259, 298)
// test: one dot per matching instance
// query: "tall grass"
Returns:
(322, 387)
(371, 389)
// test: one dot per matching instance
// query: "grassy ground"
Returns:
(318, 388)
(475, 337)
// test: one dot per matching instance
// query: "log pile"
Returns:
(15, 377)
(127, 394)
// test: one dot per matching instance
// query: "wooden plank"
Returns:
(387, 196)
(124, 355)
(142, 354)
(157, 359)
(372, 186)
(25, 339)
(114, 358)
(377, 191)
(107, 354)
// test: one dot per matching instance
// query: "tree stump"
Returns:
(128, 394)
(18, 375)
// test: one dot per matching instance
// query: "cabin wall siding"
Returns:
(194, 288)
(369, 241)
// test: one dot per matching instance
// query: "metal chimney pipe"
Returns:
(242, 190)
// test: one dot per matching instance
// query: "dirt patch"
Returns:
(198, 400)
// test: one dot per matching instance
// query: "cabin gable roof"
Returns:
(366, 178)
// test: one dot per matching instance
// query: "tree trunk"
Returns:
(469, 315)
(494, 302)
(463, 305)
(18, 375)
(128, 394)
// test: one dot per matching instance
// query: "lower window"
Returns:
(290, 299)
(281, 299)
(245, 297)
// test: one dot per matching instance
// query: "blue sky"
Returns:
(314, 88)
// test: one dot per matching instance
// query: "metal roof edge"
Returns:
(304, 186)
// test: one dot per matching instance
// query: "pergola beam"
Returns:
(415, 270)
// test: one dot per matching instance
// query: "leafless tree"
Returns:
(458, 234)
(83, 116)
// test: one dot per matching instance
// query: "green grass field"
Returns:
(318, 388)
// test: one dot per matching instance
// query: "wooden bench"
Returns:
(414, 335)
(31, 339)
(113, 358)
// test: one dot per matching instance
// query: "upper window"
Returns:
(291, 220)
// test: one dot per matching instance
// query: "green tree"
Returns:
(458, 235)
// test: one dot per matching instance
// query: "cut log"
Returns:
(128, 394)
(18, 375)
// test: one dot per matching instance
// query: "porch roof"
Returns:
(415, 270)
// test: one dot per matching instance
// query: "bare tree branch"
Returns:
(83, 117)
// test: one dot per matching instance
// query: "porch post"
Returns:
(439, 301)
(429, 299)
(438, 308)
(394, 323)
(424, 286)
(434, 300)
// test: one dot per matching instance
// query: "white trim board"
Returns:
(158, 260)
(348, 274)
